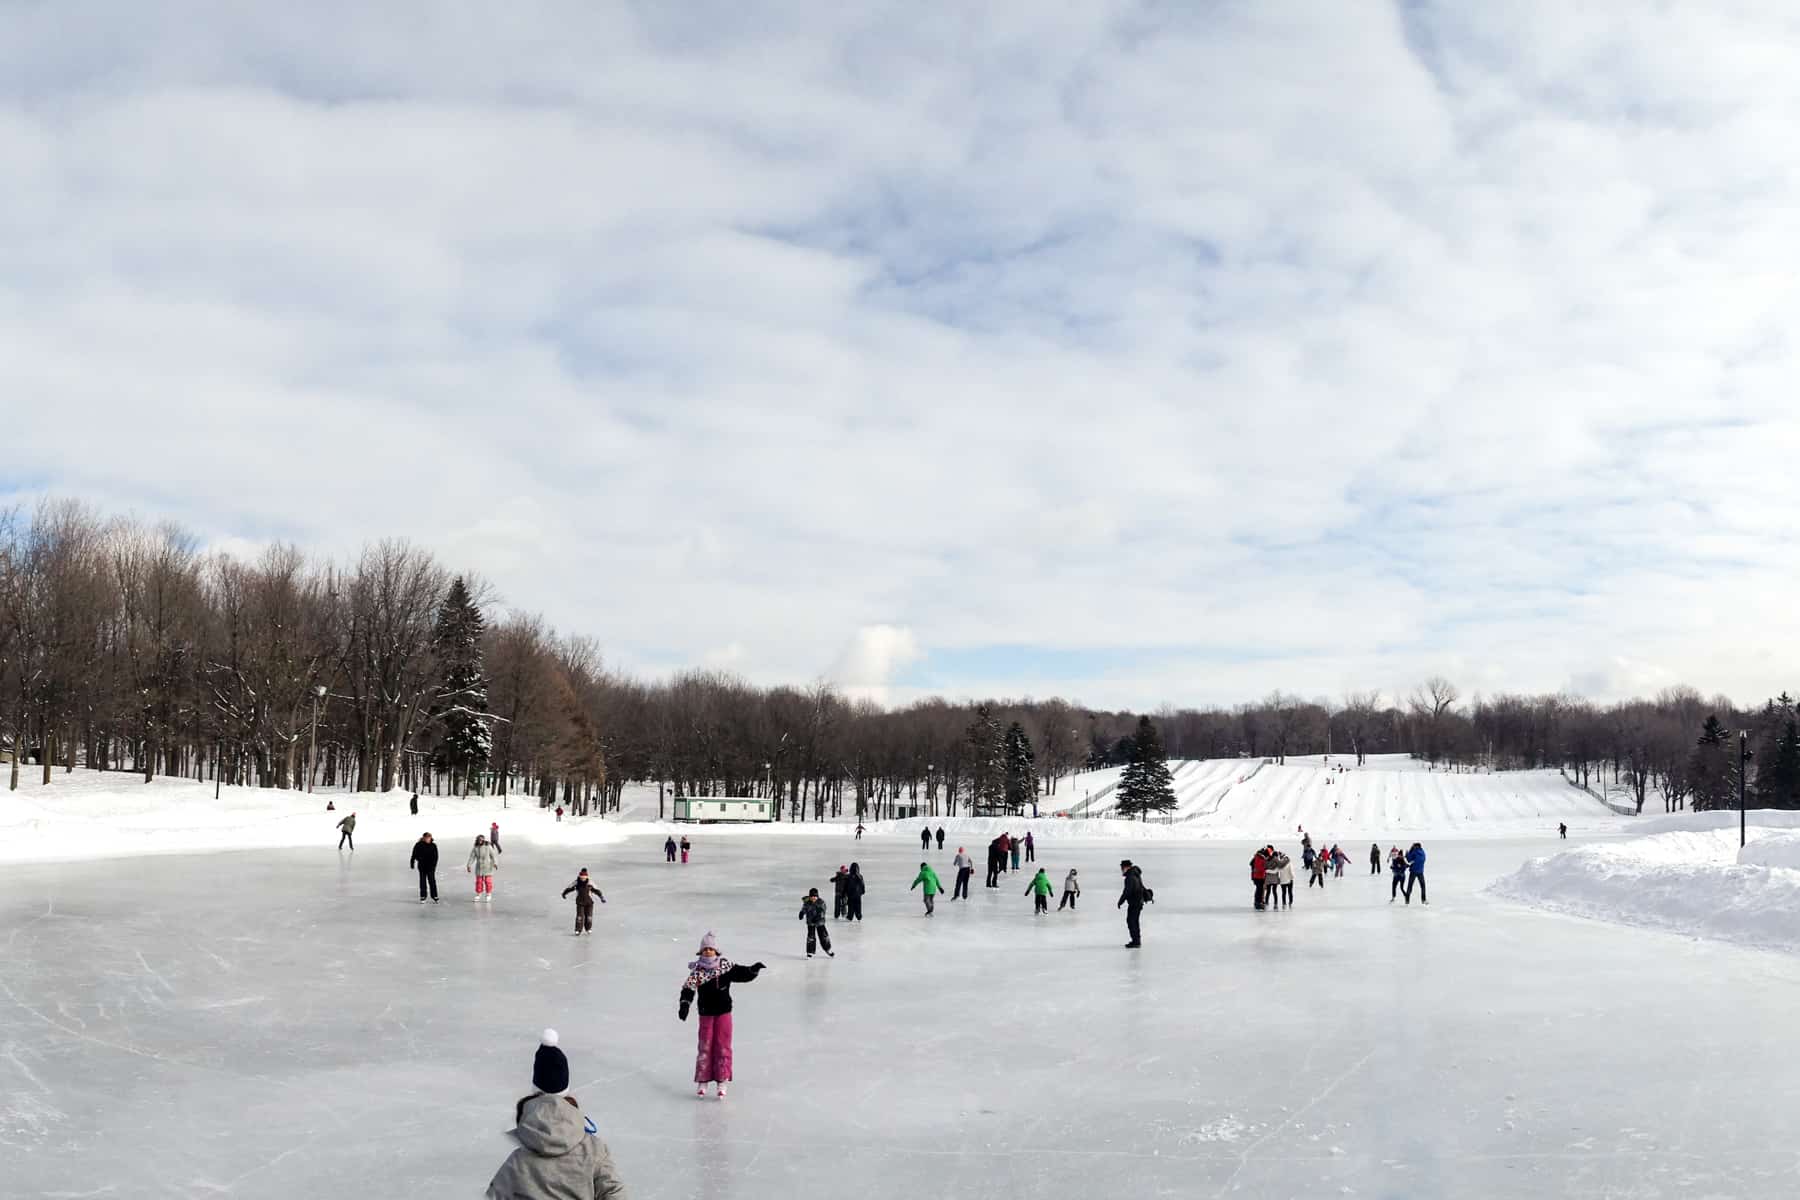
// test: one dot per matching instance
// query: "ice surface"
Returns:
(293, 1023)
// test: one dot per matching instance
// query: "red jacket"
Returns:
(1259, 867)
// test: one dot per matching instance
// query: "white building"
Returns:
(707, 809)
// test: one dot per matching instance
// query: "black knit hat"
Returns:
(550, 1070)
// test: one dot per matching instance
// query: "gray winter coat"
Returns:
(483, 859)
(557, 1158)
(1071, 884)
(348, 824)
(963, 862)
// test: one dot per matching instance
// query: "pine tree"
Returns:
(1711, 769)
(460, 710)
(987, 763)
(1021, 769)
(1778, 781)
(1145, 786)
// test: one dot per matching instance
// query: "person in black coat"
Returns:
(840, 895)
(925, 838)
(585, 891)
(413, 804)
(709, 981)
(425, 858)
(812, 911)
(995, 858)
(854, 887)
(1132, 900)
(940, 837)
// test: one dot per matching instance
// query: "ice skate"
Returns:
(700, 1091)
(721, 1091)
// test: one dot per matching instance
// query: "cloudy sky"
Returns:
(1140, 353)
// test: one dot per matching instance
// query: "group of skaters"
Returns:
(671, 846)
(483, 862)
(1272, 871)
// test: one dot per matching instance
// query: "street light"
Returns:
(1743, 770)
(312, 750)
(769, 771)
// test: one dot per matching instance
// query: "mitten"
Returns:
(684, 1010)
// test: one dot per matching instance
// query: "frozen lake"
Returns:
(292, 1023)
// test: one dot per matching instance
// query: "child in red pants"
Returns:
(709, 981)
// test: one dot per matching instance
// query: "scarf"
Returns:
(703, 971)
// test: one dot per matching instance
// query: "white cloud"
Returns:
(866, 668)
(1305, 347)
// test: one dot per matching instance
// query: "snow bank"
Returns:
(1688, 881)
(1774, 850)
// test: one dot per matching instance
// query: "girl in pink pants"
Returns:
(709, 981)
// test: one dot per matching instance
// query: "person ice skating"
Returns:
(413, 804)
(859, 831)
(1005, 850)
(1415, 872)
(709, 981)
(1338, 860)
(1071, 891)
(993, 864)
(929, 878)
(854, 887)
(686, 846)
(1397, 867)
(1307, 856)
(585, 892)
(1374, 858)
(940, 837)
(669, 849)
(1284, 878)
(812, 911)
(1316, 875)
(560, 1153)
(1563, 829)
(425, 859)
(840, 900)
(1017, 849)
(1039, 890)
(925, 838)
(559, 814)
(1132, 900)
(1259, 877)
(965, 867)
(482, 862)
(1030, 848)
(346, 834)
(494, 836)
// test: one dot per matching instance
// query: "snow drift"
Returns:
(1694, 882)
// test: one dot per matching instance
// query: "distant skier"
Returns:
(669, 849)
(840, 899)
(347, 828)
(965, 867)
(1071, 891)
(812, 911)
(940, 837)
(1039, 890)
(585, 892)
(560, 1152)
(1030, 848)
(686, 846)
(929, 878)
(494, 836)
(482, 863)
(925, 838)
(1563, 829)
(425, 858)
(1132, 900)
(709, 981)
(1374, 858)
(854, 887)
(1415, 872)
(1397, 866)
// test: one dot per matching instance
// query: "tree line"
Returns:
(124, 646)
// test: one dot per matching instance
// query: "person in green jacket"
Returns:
(929, 878)
(1040, 887)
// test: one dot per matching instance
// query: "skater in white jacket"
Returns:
(483, 862)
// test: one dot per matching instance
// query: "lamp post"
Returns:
(312, 749)
(769, 773)
(1743, 770)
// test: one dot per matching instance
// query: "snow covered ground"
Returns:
(1693, 879)
(291, 1023)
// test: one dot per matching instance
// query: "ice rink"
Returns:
(295, 1024)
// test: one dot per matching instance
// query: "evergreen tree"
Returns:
(460, 710)
(987, 763)
(1711, 769)
(1778, 781)
(1145, 786)
(1021, 769)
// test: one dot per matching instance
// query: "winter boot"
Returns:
(721, 1090)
